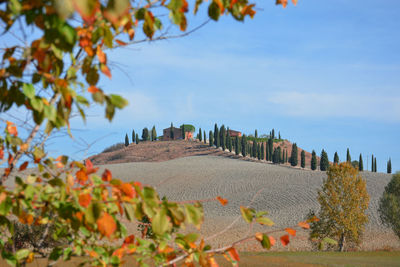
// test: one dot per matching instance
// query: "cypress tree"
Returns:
(133, 136)
(360, 163)
(259, 152)
(375, 169)
(237, 145)
(183, 131)
(348, 157)
(303, 159)
(294, 156)
(286, 156)
(336, 158)
(389, 166)
(254, 150)
(222, 136)
(216, 135)
(171, 130)
(279, 135)
(229, 141)
(200, 135)
(262, 151)
(137, 138)
(126, 140)
(255, 134)
(153, 133)
(273, 134)
(282, 156)
(324, 163)
(205, 137)
(211, 138)
(313, 161)
(270, 148)
(372, 163)
(244, 146)
(145, 134)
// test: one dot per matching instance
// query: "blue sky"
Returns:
(326, 74)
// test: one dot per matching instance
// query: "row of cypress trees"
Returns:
(146, 136)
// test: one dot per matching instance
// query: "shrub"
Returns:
(114, 147)
(389, 204)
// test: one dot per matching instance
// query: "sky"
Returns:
(326, 74)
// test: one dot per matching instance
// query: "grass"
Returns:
(290, 259)
(376, 258)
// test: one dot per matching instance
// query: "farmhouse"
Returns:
(234, 133)
(177, 133)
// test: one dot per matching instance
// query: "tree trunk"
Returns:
(341, 243)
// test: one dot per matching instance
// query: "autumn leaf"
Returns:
(223, 201)
(120, 42)
(30, 257)
(81, 176)
(304, 225)
(294, 2)
(233, 254)
(11, 128)
(119, 252)
(248, 10)
(3, 196)
(23, 166)
(106, 224)
(272, 240)
(107, 176)
(25, 218)
(104, 69)
(100, 55)
(282, 2)
(212, 262)
(285, 240)
(129, 239)
(291, 231)
(1, 153)
(128, 190)
(84, 200)
(93, 89)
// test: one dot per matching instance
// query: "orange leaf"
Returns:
(23, 147)
(119, 252)
(272, 240)
(304, 225)
(59, 165)
(1, 153)
(79, 215)
(223, 201)
(101, 56)
(313, 219)
(30, 257)
(128, 190)
(11, 128)
(23, 166)
(84, 200)
(107, 176)
(81, 176)
(93, 89)
(285, 240)
(106, 225)
(104, 69)
(3, 196)
(26, 218)
(294, 2)
(120, 42)
(291, 231)
(248, 10)
(212, 262)
(129, 239)
(233, 254)
(282, 2)
(88, 164)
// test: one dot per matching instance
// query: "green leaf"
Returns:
(265, 221)
(67, 254)
(129, 211)
(50, 113)
(29, 90)
(194, 214)
(37, 104)
(92, 77)
(115, 261)
(265, 242)
(118, 101)
(22, 254)
(247, 214)
(329, 241)
(161, 223)
(56, 254)
(214, 11)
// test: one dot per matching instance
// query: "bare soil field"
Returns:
(286, 193)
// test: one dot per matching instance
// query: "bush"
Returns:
(114, 147)
(389, 204)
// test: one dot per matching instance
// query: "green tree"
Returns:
(294, 156)
(360, 163)
(133, 136)
(286, 156)
(229, 141)
(145, 134)
(126, 140)
(258, 151)
(222, 137)
(244, 145)
(254, 149)
(153, 133)
(389, 166)
(237, 145)
(171, 132)
(348, 157)
(324, 163)
(183, 131)
(389, 204)
(270, 147)
(303, 159)
(336, 158)
(204, 137)
(372, 163)
(216, 137)
(200, 135)
(273, 134)
(137, 138)
(255, 134)
(279, 134)
(211, 138)
(343, 201)
(262, 151)
(313, 161)
(375, 169)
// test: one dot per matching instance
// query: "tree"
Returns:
(244, 146)
(273, 134)
(255, 134)
(222, 137)
(360, 163)
(303, 159)
(200, 135)
(171, 132)
(262, 151)
(336, 158)
(211, 138)
(375, 169)
(153, 133)
(389, 204)
(229, 141)
(324, 163)
(279, 134)
(389, 166)
(237, 145)
(348, 157)
(183, 131)
(133, 136)
(137, 138)
(50, 73)
(204, 137)
(343, 201)
(258, 151)
(372, 163)
(126, 140)
(294, 156)
(313, 161)
(216, 137)
(145, 134)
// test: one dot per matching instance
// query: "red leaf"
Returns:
(88, 164)
(233, 254)
(106, 225)
(107, 176)
(129, 239)
(223, 201)
(81, 176)
(1, 153)
(104, 69)
(93, 89)
(23, 166)
(304, 225)
(285, 240)
(291, 231)
(128, 190)
(84, 200)
(120, 42)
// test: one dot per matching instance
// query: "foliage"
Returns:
(348, 156)
(324, 163)
(52, 74)
(244, 145)
(114, 147)
(313, 160)
(343, 201)
(145, 134)
(204, 137)
(216, 136)
(126, 140)
(294, 156)
(188, 128)
(262, 156)
(133, 136)
(389, 204)
(303, 159)
(228, 141)
(171, 132)
(222, 137)
(153, 133)
(210, 138)
(237, 145)
(360, 163)
(137, 138)
(389, 166)
(336, 158)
